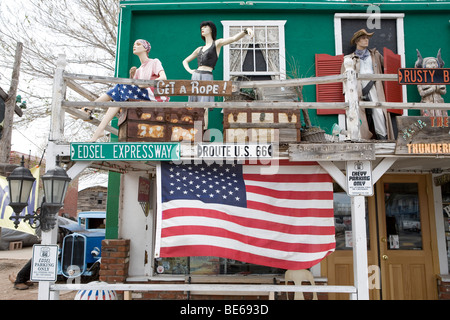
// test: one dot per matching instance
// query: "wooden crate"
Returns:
(161, 124)
(264, 125)
(261, 125)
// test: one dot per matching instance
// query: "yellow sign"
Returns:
(6, 211)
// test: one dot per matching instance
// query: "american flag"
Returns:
(236, 211)
(124, 92)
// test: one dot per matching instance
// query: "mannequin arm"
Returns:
(236, 37)
(162, 76)
(189, 58)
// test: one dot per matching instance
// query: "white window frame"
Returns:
(254, 23)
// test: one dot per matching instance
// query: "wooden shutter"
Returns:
(327, 65)
(392, 90)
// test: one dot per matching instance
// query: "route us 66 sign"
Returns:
(359, 178)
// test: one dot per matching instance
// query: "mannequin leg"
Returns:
(380, 124)
(109, 115)
(103, 98)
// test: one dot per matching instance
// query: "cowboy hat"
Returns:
(358, 34)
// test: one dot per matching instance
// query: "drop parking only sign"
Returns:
(44, 263)
(359, 178)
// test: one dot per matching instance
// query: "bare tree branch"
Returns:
(84, 30)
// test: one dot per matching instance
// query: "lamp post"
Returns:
(20, 182)
(55, 183)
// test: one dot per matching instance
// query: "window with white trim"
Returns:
(259, 58)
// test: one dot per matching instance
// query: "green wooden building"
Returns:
(293, 39)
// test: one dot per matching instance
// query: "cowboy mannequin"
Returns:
(370, 61)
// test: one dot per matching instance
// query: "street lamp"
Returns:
(20, 182)
(55, 183)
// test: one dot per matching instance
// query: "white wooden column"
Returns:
(351, 96)
(360, 268)
(358, 214)
(49, 237)
(58, 95)
(56, 135)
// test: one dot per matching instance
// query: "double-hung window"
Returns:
(259, 58)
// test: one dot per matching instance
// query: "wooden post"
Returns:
(360, 268)
(351, 96)
(10, 104)
(59, 93)
(49, 237)
(56, 135)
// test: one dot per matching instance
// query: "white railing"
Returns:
(351, 106)
(217, 288)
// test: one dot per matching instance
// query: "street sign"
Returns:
(424, 76)
(44, 263)
(359, 178)
(234, 150)
(125, 151)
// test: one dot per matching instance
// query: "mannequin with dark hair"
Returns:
(208, 55)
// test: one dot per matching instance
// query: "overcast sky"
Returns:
(32, 138)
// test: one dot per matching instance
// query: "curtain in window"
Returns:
(271, 51)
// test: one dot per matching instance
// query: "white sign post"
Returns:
(44, 263)
(359, 178)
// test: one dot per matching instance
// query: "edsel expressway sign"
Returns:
(125, 151)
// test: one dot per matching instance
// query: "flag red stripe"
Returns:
(298, 178)
(248, 222)
(247, 239)
(292, 212)
(192, 251)
(293, 195)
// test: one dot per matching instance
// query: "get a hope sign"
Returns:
(193, 88)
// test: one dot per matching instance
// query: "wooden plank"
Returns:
(231, 104)
(237, 85)
(331, 151)
(263, 125)
(423, 136)
(291, 82)
(80, 90)
(382, 77)
(351, 95)
(84, 116)
(360, 269)
(204, 287)
(405, 105)
(58, 95)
